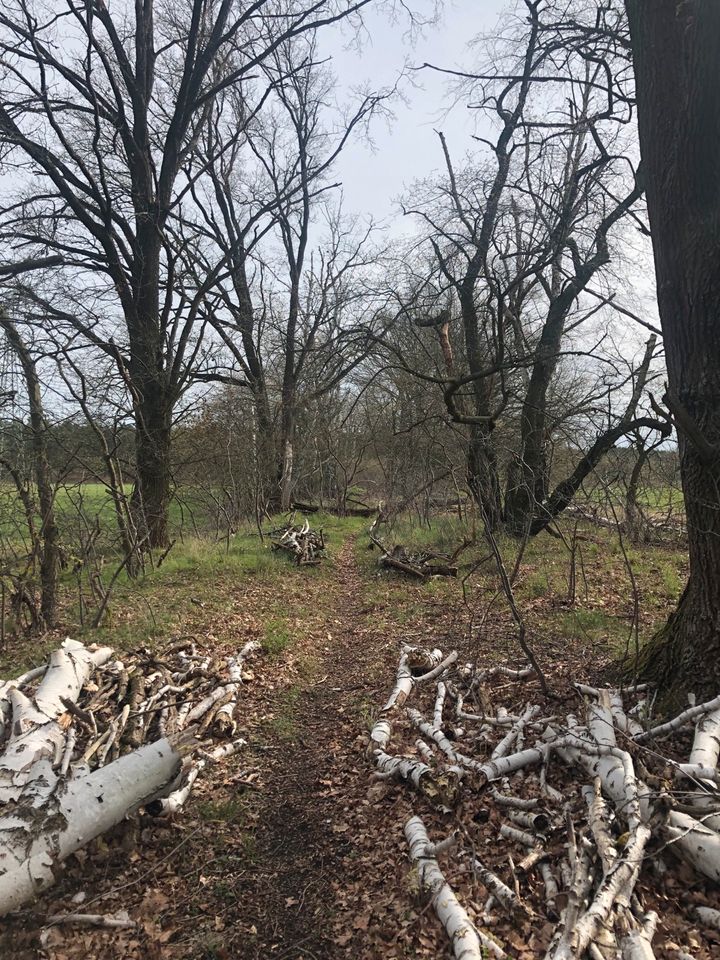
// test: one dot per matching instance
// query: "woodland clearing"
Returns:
(290, 848)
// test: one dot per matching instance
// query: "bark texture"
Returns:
(676, 51)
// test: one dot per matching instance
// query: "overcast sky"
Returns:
(406, 148)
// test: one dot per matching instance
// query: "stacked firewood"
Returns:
(577, 857)
(420, 565)
(87, 739)
(307, 546)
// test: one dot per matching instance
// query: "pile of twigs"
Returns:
(562, 862)
(86, 740)
(307, 546)
(420, 564)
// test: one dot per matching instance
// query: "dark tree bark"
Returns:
(474, 249)
(676, 53)
(529, 481)
(482, 474)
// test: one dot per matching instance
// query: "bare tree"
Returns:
(123, 96)
(45, 538)
(294, 273)
(523, 242)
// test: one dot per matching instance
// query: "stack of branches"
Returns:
(421, 564)
(86, 740)
(576, 859)
(304, 544)
(351, 508)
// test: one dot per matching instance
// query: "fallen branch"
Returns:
(465, 940)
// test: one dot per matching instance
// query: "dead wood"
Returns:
(419, 565)
(619, 813)
(88, 740)
(305, 545)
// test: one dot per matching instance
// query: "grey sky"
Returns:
(407, 147)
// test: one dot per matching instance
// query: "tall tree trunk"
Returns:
(482, 475)
(151, 497)
(528, 476)
(635, 525)
(152, 400)
(286, 452)
(676, 52)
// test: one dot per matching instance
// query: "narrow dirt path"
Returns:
(289, 850)
(320, 866)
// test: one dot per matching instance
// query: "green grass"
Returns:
(284, 724)
(231, 810)
(277, 637)
(195, 581)
(586, 623)
(443, 534)
(537, 584)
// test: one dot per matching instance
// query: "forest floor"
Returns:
(290, 850)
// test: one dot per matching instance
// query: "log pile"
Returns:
(353, 508)
(86, 740)
(305, 545)
(420, 564)
(567, 866)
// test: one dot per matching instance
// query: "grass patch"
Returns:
(277, 637)
(584, 622)
(537, 584)
(221, 811)
(283, 725)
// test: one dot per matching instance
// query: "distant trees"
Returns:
(178, 237)
(35, 493)
(290, 271)
(676, 56)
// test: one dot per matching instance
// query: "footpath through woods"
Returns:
(291, 849)
(288, 850)
(324, 881)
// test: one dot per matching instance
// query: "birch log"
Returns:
(37, 735)
(463, 936)
(33, 842)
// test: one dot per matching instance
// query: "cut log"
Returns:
(418, 565)
(35, 840)
(463, 935)
(79, 757)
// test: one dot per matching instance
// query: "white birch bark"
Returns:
(682, 720)
(37, 736)
(637, 945)
(463, 936)
(32, 845)
(708, 916)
